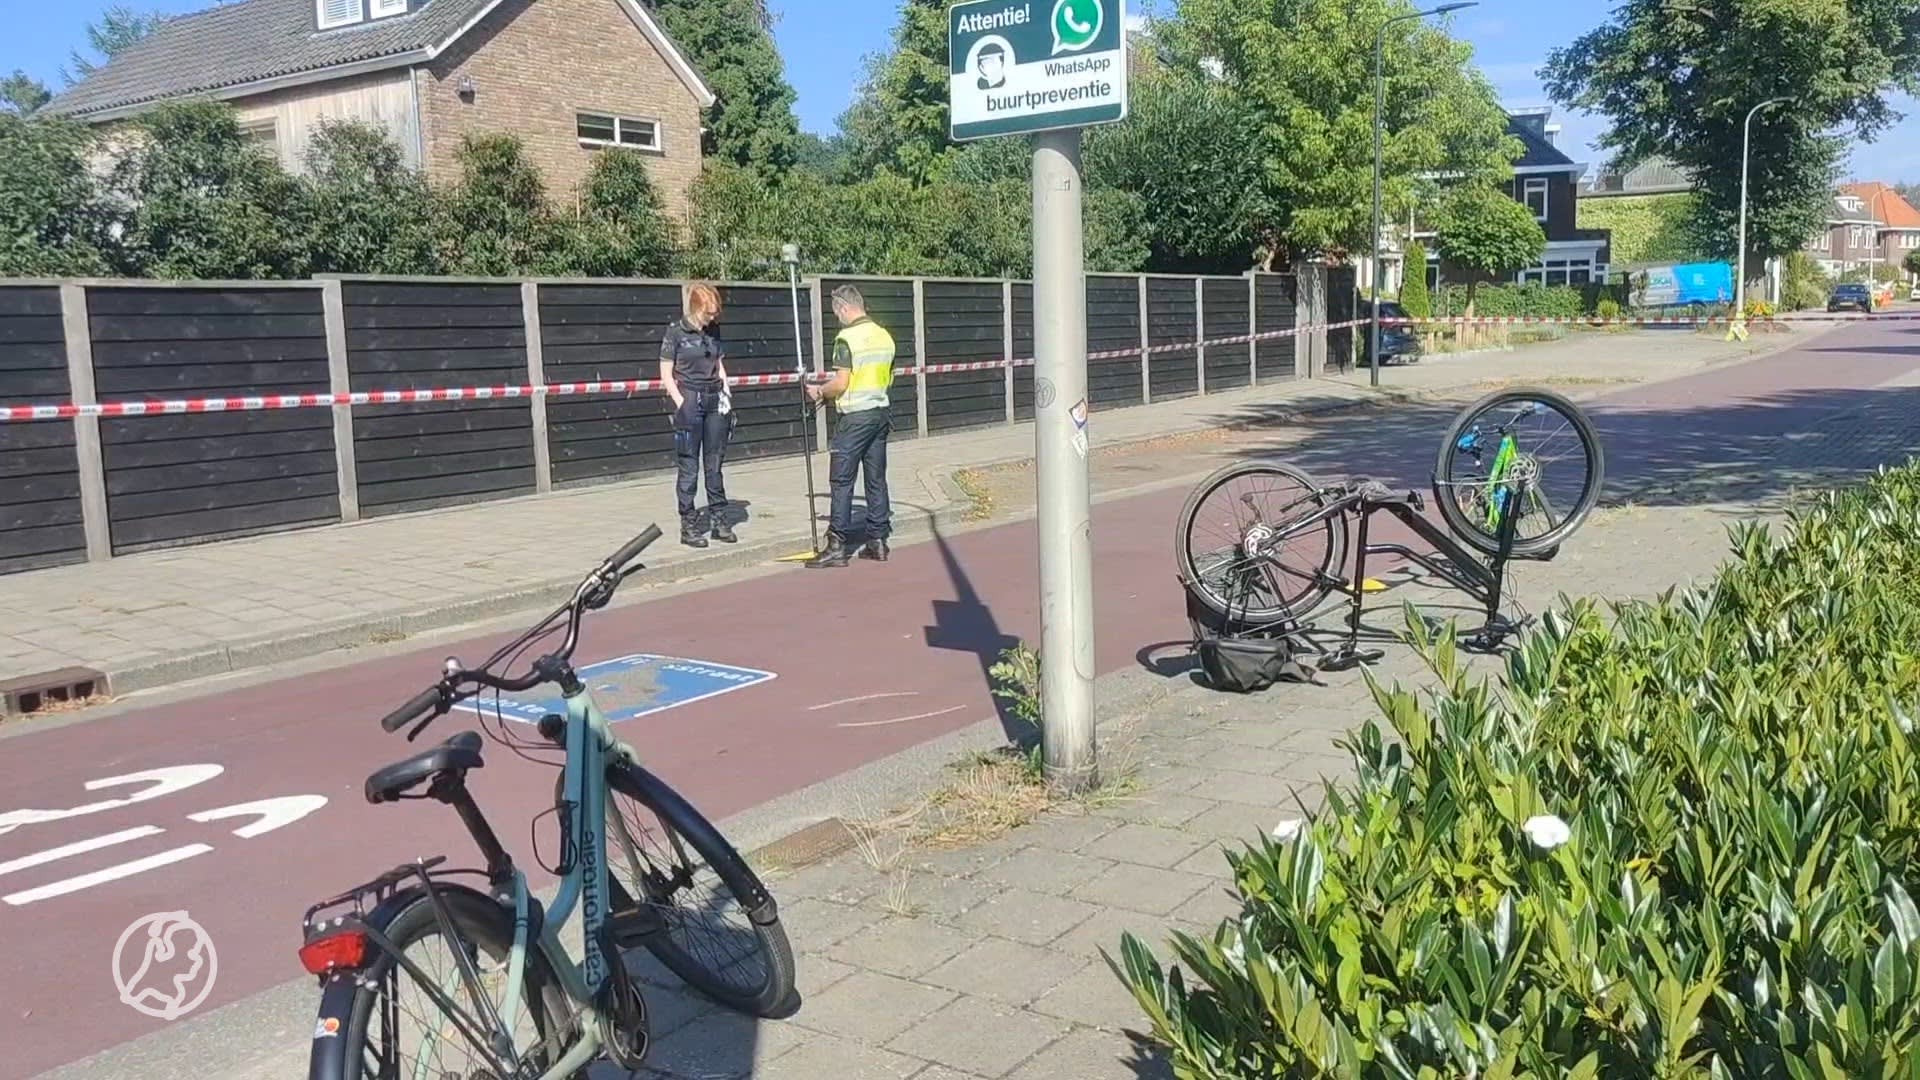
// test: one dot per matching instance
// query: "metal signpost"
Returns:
(1049, 68)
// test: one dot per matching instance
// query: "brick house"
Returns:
(1547, 182)
(571, 78)
(1869, 223)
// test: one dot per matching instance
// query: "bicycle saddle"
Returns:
(458, 754)
(1378, 494)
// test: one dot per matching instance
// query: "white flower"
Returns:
(1546, 831)
(1287, 829)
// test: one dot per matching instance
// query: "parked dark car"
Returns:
(1398, 341)
(1850, 296)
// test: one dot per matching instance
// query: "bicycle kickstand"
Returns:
(1348, 655)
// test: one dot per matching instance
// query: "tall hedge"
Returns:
(1646, 228)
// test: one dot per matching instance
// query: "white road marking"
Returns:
(271, 813)
(904, 719)
(865, 697)
(111, 873)
(80, 847)
(164, 782)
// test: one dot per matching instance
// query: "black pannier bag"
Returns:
(1241, 659)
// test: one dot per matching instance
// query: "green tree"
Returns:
(1488, 234)
(365, 211)
(622, 229)
(1911, 263)
(496, 222)
(898, 123)
(1414, 296)
(197, 200)
(1677, 80)
(731, 43)
(22, 94)
(52, 220)
(1803, 283)
(827, 156)
(1306, 69)
(117, 29)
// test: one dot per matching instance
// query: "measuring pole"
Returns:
(790, 254)
(1060, 456)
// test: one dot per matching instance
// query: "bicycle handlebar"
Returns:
(594, 591)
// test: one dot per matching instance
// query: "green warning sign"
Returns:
(1019, 66)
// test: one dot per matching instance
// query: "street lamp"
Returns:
(1740, 257)
(1379, 91)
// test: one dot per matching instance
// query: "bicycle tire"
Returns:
(480, 923)
(1476, 534)
(768, 998)
(1312, 592)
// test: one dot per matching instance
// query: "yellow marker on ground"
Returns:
(1373, 585)
(799, 557)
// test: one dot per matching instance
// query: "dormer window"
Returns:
(1850, 203)
(334, 14)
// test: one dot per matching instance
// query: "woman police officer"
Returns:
(693, 365)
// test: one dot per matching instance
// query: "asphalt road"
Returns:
(250, 808)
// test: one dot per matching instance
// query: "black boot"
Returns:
(875, 550)
(835, 554)
(722, 531)
(691, 534)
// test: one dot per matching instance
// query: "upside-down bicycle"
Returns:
(417, 968)
(1262, 545)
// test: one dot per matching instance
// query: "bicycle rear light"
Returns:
(343, 951)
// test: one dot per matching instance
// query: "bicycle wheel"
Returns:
(394, 1029)
(1521, 434)
(661, 850)
(1247, 546)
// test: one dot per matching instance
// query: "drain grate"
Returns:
(38, 693)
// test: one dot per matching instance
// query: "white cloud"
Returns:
(1136, 22)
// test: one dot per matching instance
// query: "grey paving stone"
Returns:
(1067, 832)
(1248, 789)
(1210, 906)
(814, 924)
(842, 881)
(1093, 996)
(1173, 777)
(1083, 1055)
(1029, 917)
(827, 1056)
(1141, 888)
(947, 899)
(1046, 871)
(1005, 971)
(720, 1045)
(1209, 861)
(1265, 734)
(1157, 808)
(941, 1072)
(904, 947)
(1103, 932)
(1148, 845)
(979, 1036)
(1236, 825)
(813, 974)
(870, 1007)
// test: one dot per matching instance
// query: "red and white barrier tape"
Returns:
(118, 409)
(1640, 320)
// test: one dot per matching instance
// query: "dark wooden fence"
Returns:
(99, 486)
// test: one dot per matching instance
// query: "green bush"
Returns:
(1414, 296)
(1508, 301)
(1679, 838)
(1645, 228)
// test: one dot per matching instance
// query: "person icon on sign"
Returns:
(992, 65)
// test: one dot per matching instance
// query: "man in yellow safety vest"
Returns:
(862, 375)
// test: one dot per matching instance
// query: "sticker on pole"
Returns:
(1079, 414)
(630, 687)
(1020, 66)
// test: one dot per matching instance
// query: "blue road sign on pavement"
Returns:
(630, 687)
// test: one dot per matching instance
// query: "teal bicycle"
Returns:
(431, 973)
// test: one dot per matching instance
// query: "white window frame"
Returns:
(657, 146)
(320, 15)
(1528, 186)
(384, 9)
(264, 132)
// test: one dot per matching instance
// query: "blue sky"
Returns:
(823, 57)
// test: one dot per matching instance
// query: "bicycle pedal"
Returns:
(631, 928)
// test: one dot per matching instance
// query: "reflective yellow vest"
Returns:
(867, 351)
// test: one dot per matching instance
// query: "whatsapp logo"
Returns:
(1076, 23)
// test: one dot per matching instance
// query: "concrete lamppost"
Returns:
(1379, 92)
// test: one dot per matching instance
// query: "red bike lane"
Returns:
(868, 661)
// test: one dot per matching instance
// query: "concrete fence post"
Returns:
(1006, 338)
(86, 429)
(920, 355)
(1200, 334)
(333, 308)
(1146, 344)
(537, 376)
(1253, 327)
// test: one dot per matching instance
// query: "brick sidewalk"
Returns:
(163, 617)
